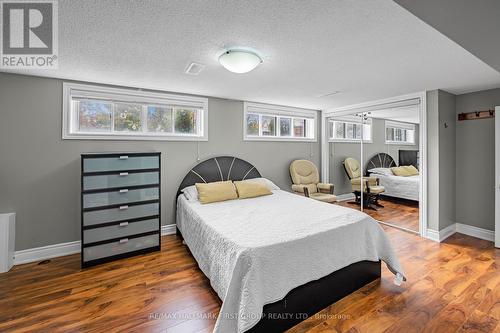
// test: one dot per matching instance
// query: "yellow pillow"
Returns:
(251, 189)
(411, 170)
(215, 192)
(400, 171)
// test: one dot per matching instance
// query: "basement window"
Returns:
(102, 113)
(264, 122)
(397, 133)
(349, 129)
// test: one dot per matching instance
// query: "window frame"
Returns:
(349, 120)
(402, 126)
(128, 95)
(279, 112)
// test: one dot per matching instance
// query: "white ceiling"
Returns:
(366, 49)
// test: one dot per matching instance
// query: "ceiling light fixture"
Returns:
(239, 61)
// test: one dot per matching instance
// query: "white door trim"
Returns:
(497, 176)
(325, 151)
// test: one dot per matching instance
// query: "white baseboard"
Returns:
(168, 229)
(447, 232)
(481, 233)
(433, 235)
(46, 252)
(345, 197)
(439, 236)
(63, 249)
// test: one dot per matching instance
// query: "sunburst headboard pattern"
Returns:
(219, 168)
(380, 160)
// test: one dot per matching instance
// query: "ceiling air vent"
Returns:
(194, 68)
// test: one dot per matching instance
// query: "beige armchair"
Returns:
(371, 186)
(305, 179)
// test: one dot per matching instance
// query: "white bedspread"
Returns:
(254, 251)
(400, 187)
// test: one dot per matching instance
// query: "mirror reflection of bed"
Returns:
(399, 205)
(389, 161)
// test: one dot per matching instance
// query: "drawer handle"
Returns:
(124, 240)
(123, 224)
(124, 190)
(123, 207)
(122, 174)
(124, 157)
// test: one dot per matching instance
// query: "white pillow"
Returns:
(270, 185)
(381, 171)
(190, 192)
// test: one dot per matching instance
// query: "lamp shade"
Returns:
(239, 61)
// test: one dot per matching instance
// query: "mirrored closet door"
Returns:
(374, 162)
(344, 149)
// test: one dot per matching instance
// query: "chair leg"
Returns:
(357, 199)
(370, 202)
(377, 203)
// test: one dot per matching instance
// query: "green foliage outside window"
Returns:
(128, 117)
(159, 119)
(185, 121)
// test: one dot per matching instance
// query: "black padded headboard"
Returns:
(408, 157)
(380, 160)
(218, 169)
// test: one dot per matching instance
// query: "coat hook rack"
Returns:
(476, 115)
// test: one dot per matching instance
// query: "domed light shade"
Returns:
(239, 61)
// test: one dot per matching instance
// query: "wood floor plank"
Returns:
(452, 286)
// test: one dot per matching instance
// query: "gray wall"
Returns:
(39, 172)
(465, 22)
(475, 161)
(440, 159)
(447, 174)
(433, 160)
(339, 151)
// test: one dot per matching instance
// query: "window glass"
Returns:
(404, 134)
(268, 126)
(285, 126)
(299, 127)
(349, 131)
(252, 124)
(104, 113)
(160, 119)
(185, 121)
(278, 123)
(339, 129)
(94, 116)
(128, 117)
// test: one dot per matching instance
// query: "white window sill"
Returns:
(81, 136)
(396, 143)
(348, 141)
(282, 139)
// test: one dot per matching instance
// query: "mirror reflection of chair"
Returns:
(305, 179)
(371, 185)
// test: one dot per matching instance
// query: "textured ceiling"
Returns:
(366, 49)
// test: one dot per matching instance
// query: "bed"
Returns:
(395, 186)
(277, 259)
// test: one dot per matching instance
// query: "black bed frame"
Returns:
(302, 301)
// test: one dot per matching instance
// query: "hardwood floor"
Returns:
(402, 213)
(452, 287)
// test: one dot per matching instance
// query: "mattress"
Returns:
(254, 251)
(400, 187)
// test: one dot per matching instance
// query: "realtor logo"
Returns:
(29, 34)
